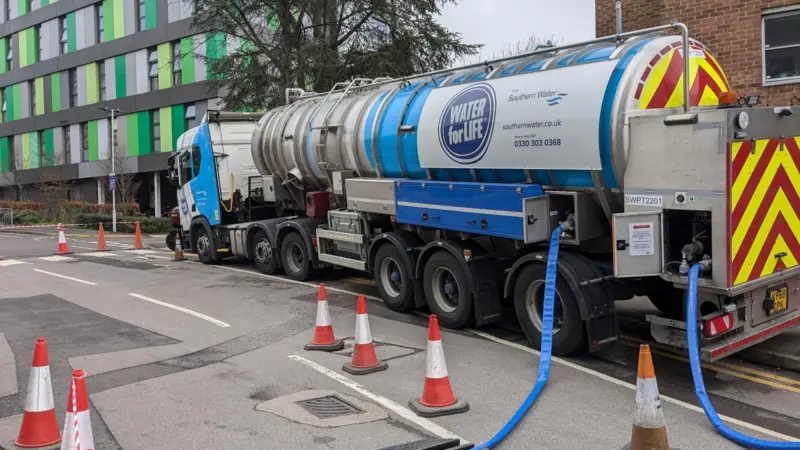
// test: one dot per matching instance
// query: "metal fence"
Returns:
(6, 217)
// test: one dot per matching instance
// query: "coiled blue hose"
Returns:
(699, 386)
(546, 347)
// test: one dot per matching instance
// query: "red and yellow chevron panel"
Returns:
(764, 194)
(661, 83)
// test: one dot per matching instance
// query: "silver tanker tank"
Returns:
(556, 117)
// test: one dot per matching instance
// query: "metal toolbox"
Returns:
(371, 195)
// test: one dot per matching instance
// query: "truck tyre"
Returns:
(203, 243)
(264, 257)
(447, 291)
(569, 333)
(670, 301)
(172, 236)
(295, 258)
(393, 279)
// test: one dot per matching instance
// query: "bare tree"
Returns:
(54, 185)
(532, 43)
(127, 185)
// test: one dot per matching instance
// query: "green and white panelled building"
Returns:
(63, 60)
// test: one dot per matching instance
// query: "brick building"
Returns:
(757, 43)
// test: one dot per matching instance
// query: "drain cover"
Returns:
(328, 407)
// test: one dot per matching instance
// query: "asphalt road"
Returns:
(184, 356)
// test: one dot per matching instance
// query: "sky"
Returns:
(500, 23)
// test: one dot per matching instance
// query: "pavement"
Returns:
(181, 355)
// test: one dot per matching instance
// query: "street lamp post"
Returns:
(113, 174)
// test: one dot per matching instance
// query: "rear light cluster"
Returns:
(718, 325)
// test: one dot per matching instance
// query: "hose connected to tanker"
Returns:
(546, 347)
(699, 385)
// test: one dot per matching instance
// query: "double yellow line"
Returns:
(731, 369)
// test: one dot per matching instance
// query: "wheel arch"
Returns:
(201, 222)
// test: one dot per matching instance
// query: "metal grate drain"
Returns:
(328, 407)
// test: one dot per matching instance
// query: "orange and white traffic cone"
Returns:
(77, 423)
(137, 238)
(63, 249)
(324, 339)
(649, 429)
(437, 394)
(364, 361)
(39, 424)
(101, 240)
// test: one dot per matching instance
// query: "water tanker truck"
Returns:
(446, 187)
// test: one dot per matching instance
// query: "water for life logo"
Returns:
(465, 127)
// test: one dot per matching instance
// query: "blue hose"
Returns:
(699, 386)
(546, 347)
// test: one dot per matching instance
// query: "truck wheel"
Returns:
(393, 279)
(295, 258)
(264, 256)
(446, 290)
(171, 237)
(203, 243)
(670, 301)
(569, 334)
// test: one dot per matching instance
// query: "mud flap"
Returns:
(594, 300)
(486, 291)
(431, 444)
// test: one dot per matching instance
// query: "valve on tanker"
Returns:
(568, 227)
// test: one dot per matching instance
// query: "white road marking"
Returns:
(632, 387)
(141, 252)
(65, 277)
(10, 262)
(564, 362)
(302, 283)
(99, 254)
(56, 258)
(42, 238)
(181, 309)
(149, 257)
(401, 411)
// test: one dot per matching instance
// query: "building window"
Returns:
(100, 24)
(191, 112)
(62, 31)
(37, 36)
(5, 104)
(85, 142)
(32, 91)
(141, 11)
(72, 75)
(101, 76)
(156, 120)
(30, 5)
(8, 9)
(781, 47)
(152, 70)
(176, 64)
(67, 146)
(44, 161)
(10, 56)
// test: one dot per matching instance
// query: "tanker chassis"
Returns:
(446, 187)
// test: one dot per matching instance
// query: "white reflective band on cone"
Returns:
(323, 315)
(85, 428)
(40, 390)
(363, 335)
(648, 412)
(437, 367)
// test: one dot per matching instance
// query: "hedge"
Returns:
(72, 207)
(148, 225)
(22, 217)
(30, 206)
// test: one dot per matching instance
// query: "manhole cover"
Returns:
(328, 407)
